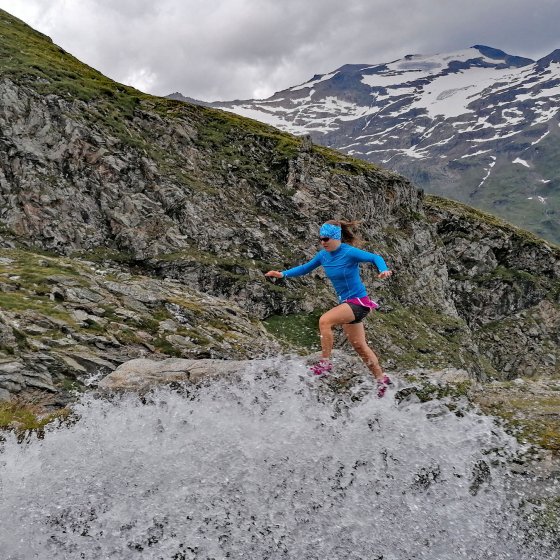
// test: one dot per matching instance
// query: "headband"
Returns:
(331, 230)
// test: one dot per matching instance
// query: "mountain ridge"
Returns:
(453, 123)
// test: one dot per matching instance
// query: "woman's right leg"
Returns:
(339, 315)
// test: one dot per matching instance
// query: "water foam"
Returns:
(276, 466)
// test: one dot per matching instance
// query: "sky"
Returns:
(221, 50)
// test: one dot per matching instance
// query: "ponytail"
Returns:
(348, 231)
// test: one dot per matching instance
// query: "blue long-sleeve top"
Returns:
(342, 269)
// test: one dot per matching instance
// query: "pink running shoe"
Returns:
(383, 385)
(322, 367)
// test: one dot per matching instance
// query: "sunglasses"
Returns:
(324, 239)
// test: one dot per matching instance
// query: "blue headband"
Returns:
(330, 230)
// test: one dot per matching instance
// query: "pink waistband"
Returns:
(363, 301)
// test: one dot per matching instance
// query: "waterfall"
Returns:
(274, 465)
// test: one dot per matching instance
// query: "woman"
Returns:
(340, 259)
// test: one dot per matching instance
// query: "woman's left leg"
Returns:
(356, 334)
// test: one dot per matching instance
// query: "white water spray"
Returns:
(275, 466)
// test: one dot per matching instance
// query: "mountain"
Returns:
(479, 126)
(134, 226)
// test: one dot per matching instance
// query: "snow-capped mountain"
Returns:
(477, 125)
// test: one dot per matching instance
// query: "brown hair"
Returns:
(348, 231)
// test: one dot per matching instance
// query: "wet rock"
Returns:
(142, 374)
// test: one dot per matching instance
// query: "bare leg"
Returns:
(339, 315)
(356, 334)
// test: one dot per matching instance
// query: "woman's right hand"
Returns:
(274, 274)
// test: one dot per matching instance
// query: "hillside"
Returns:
(478, 125)
(133, 225)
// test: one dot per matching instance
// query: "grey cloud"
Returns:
(229, 49)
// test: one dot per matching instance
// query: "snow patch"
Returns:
(480, 152)
(450, 95)
(312, 83)
(489, 170)
(545, 92)
(537, 141)
(521, 161)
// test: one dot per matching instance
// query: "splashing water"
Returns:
(275, 466)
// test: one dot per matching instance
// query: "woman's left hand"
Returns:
(385, 274)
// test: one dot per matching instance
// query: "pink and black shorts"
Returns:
(360, 307)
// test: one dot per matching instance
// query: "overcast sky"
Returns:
(241, 49)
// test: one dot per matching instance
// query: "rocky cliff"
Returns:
(134, 225)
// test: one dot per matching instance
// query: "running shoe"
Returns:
(322, 367)
(382, 386)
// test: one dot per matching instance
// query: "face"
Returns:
(329, 244)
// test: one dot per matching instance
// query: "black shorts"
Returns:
(359, 311)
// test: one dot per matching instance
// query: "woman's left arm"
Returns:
(377, 260)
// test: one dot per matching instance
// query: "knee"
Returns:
(324, 323)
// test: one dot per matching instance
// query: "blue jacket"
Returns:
(342, 269)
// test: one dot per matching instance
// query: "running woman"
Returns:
(340, 259)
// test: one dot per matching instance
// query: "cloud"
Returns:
(227, 49)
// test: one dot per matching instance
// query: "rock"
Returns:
(178, 340)
(168, 325)
(80, 316)
(142, 374)
(10, 367)
(90, 362)
(73, 365)
(17, 376)
(135, 292)
(449, 375)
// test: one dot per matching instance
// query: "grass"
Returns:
(22, 417)
(20, 302)
(428, 338)
(475, 216)
(343, 164)
(428, 391)
(298, 330)
(532, 418)
(29, 56)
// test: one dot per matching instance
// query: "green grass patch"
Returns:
(343, 164)
(426, 337)
(428, 391)
(298, 330)
(100, 255)
(16, 301)
(532, 419)
(475, 216)
(165, 347)
(22, 417)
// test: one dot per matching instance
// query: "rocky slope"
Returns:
(132, 225)
(477, 125)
